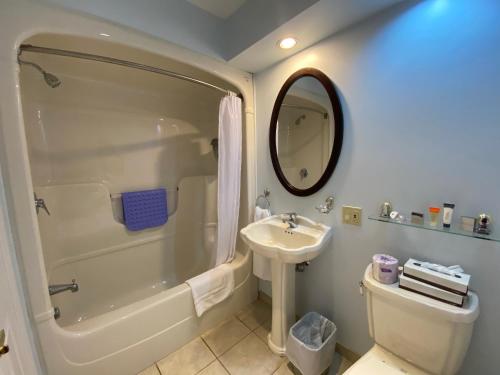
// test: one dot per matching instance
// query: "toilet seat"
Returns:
(379, 361)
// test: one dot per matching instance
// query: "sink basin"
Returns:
(271, 238)
(285, 247)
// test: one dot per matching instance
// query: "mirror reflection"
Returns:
(305, 132)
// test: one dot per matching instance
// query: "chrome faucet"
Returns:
(290, 218)
(327, 207)
(40, 203)
(54, 289)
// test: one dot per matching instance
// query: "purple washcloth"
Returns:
(144, 209)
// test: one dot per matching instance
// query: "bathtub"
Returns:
(133, 306)
(126, 340)
(133, 337)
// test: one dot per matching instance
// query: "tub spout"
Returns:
(54, 289)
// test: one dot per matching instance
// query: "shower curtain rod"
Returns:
(111, 60)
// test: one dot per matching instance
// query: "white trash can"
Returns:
(311, 343)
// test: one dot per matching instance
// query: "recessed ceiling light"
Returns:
(104, 34)
(287, 43)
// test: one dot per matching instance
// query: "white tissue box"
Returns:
(455, 284)
(428, 290)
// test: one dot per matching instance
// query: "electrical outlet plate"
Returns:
(351, 215)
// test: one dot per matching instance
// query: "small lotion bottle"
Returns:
(447, 214)
(434, 213)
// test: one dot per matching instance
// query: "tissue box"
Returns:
(428, 290)
(457, 284)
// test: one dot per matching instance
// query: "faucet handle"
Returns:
(327, 207)
(74, 286)
(291, 216)
(40, 203)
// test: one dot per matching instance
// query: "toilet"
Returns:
(414, 334)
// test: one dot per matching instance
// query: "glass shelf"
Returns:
(455, 228)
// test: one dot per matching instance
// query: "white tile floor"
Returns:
(237, 346)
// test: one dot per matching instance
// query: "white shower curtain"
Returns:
(228, 183)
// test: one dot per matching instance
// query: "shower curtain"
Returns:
(228, 183)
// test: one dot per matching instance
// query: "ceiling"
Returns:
(219, 8)
(244, 33)
(318, 21)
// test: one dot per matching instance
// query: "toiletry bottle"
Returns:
(434, 215)
(447, 214)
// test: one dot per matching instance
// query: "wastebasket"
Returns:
(311, 343)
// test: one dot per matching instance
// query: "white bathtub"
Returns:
(131, 338)
(133, 306)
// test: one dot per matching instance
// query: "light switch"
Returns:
(351, 215)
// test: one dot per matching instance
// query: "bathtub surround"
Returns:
(229, 177)
(420, 89)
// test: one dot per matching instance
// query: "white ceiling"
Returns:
(220, 8)
(320, 20)
(244, 32)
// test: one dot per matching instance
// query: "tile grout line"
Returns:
(224, 367)
(250, 331)
(216, 358)
(232, 346)
(158, 368)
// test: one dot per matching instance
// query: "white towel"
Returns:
(261, 264)
(211, 287)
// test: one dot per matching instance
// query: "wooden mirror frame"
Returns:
(338, 135)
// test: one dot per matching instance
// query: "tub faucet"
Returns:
(54, 289)
(291, 219)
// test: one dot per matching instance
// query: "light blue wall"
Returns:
(420, 87)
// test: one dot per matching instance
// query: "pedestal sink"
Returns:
(273, 238)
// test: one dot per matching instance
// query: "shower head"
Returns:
(299, 119)
(49, 78)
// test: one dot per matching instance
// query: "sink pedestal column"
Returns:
(283, 286)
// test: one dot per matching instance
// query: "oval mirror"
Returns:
(306, 132)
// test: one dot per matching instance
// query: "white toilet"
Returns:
(414, 334)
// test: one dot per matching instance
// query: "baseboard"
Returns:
(265, 298)
(345, 352)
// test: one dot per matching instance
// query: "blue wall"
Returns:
(420, 86)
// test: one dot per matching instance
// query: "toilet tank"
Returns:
(430, 334)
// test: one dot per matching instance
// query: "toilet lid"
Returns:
(379, 361)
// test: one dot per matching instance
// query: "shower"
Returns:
(127, 134)
(49, 78)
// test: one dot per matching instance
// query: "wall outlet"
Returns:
(351, 215)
